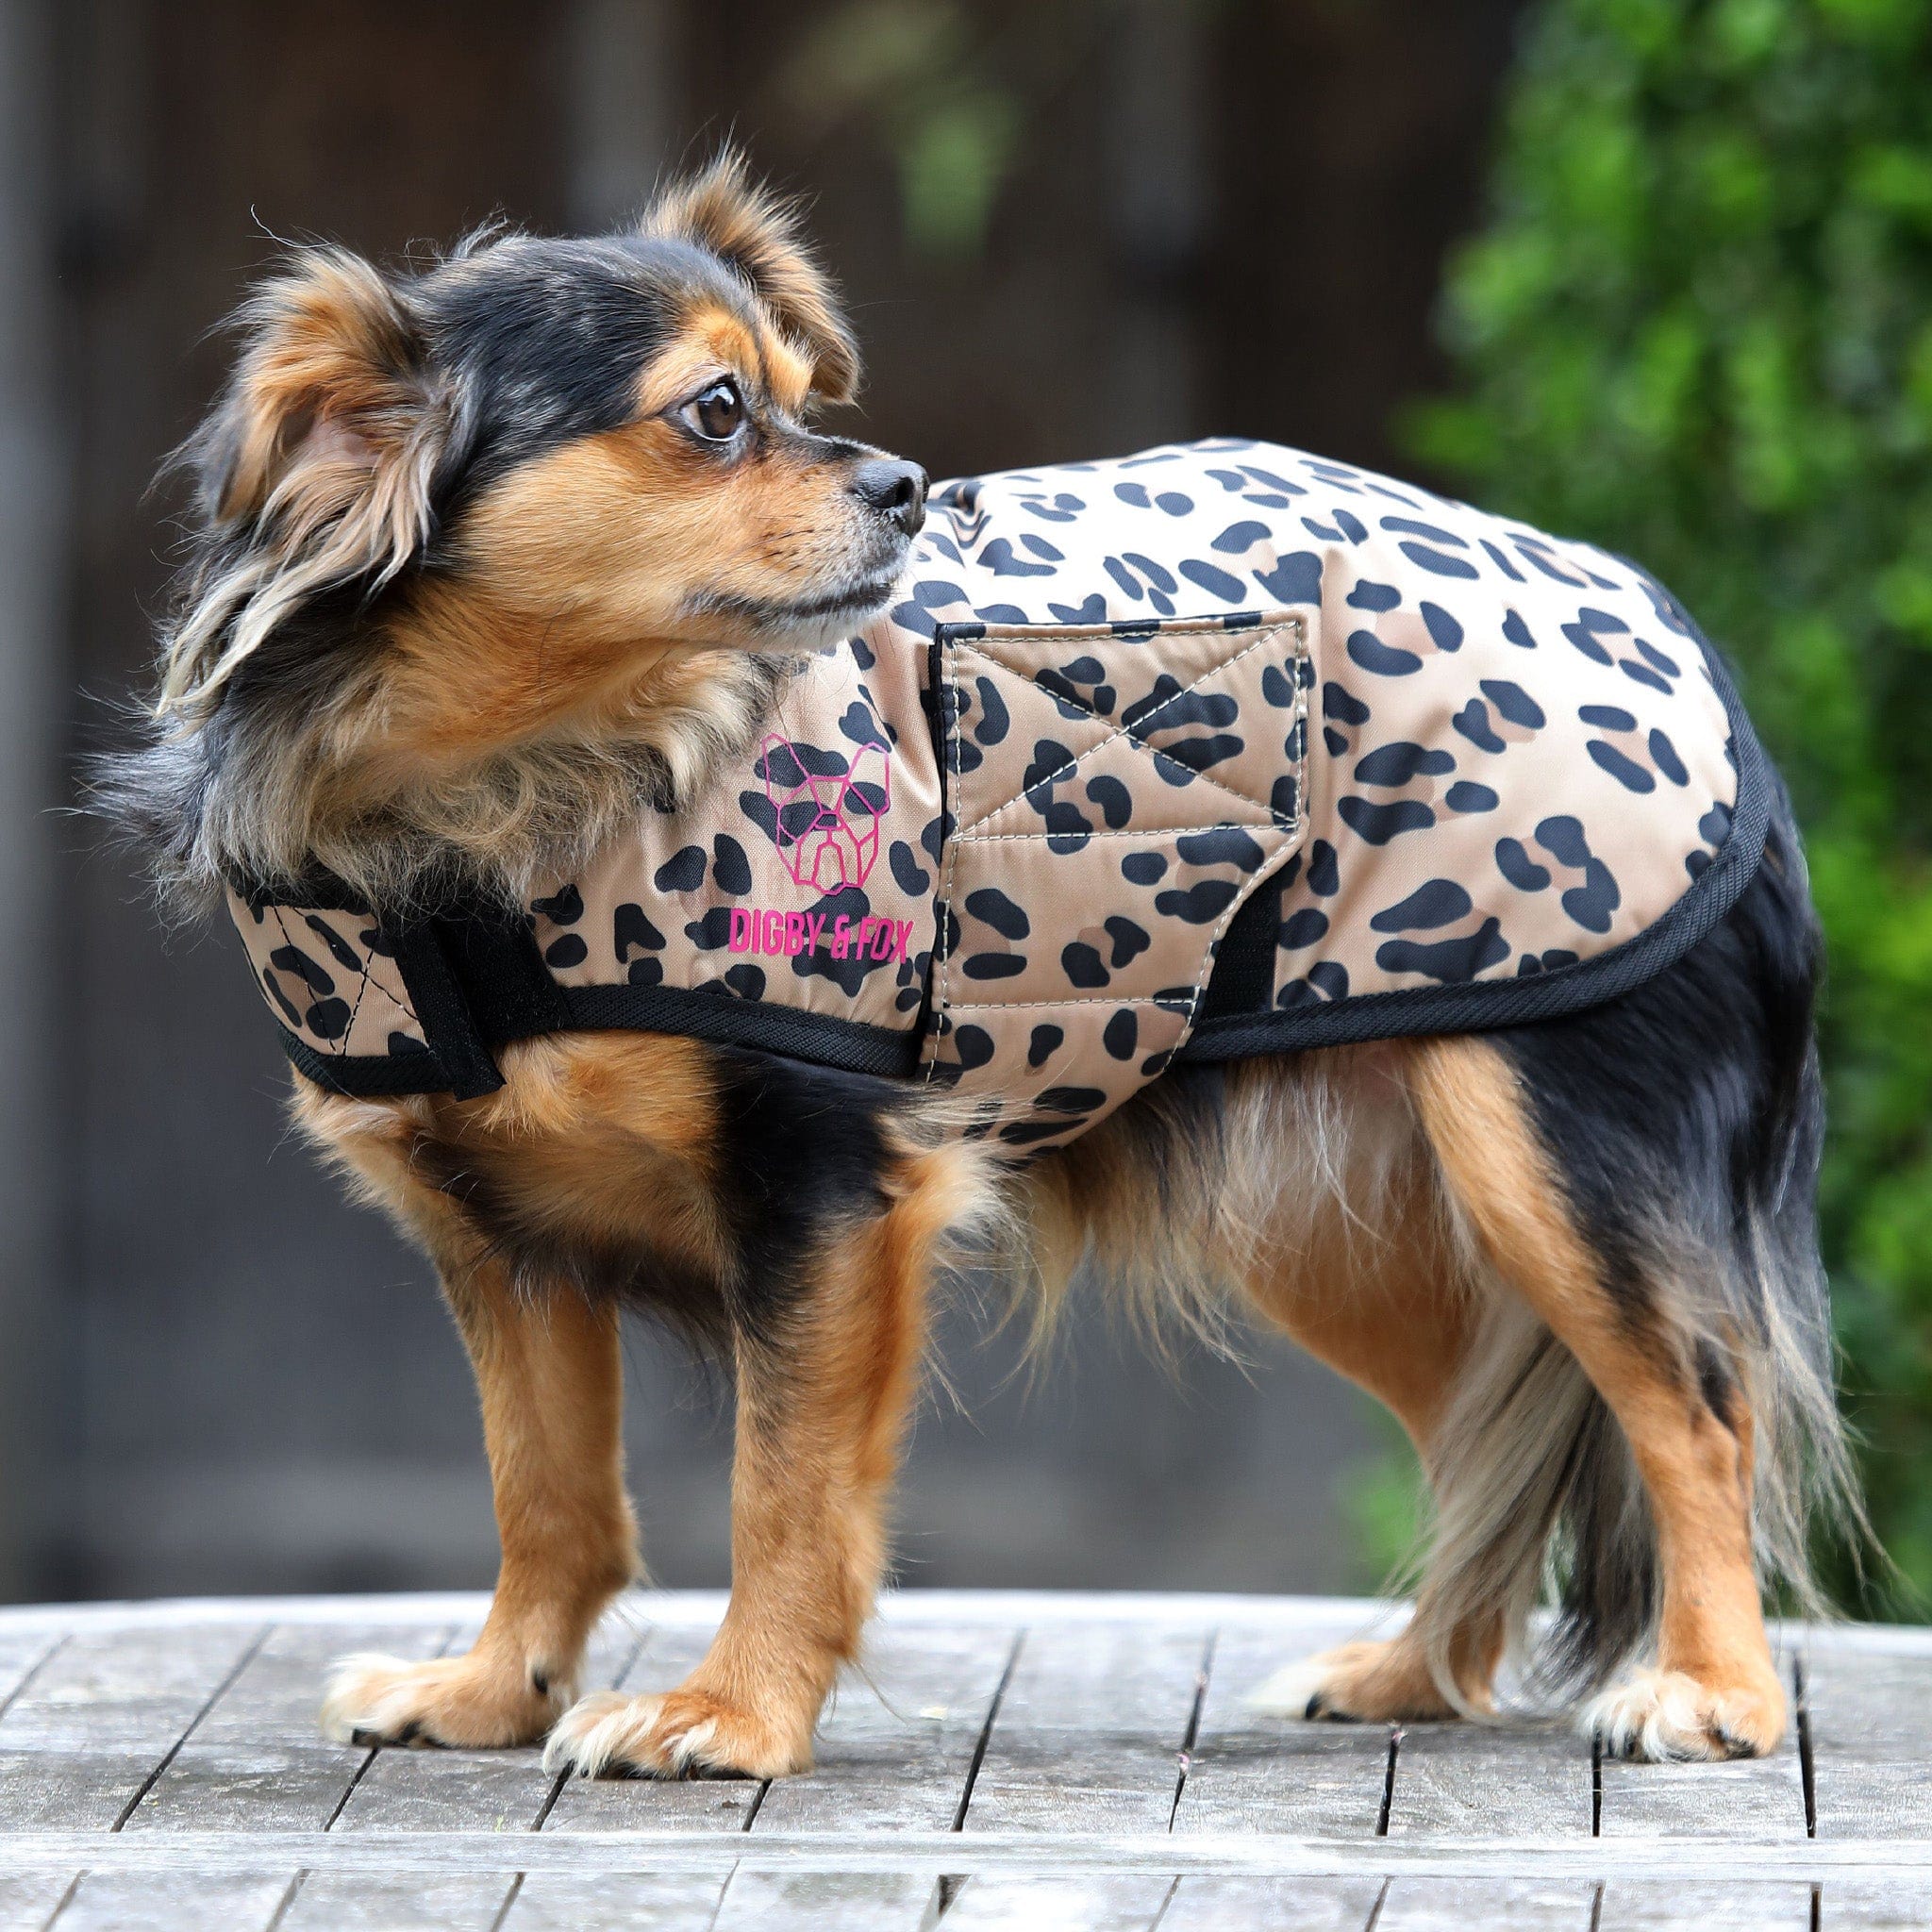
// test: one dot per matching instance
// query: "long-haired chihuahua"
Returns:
(492, 560)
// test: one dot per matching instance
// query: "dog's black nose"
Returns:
(896, 490)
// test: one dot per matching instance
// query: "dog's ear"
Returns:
(315, 465)
(747, 227)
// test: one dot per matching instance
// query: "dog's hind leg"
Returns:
(1361, 1272)
(550, 1376)
(823, 1393)
(1637, 1336)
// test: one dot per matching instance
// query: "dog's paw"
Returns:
(1667, 1716)
(1356, 1683)
(468, 1701)
(680, 1734)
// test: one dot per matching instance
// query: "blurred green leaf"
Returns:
(946, 89)
(950, 170)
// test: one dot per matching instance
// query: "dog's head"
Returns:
(466, 507)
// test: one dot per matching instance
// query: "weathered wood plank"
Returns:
(176, 1902)
(1272, 1905)
(1871, 1721)
(1756, 1797)
(895, 1747)
(399, 1902)
(257, 1759)
(1633, 1907)
(1495, 1905)
(1471, 1780)
(634, 1901)
(29, 1899)
(1659, 1861)
(1090, 1731)
(1250, 1772)
(821, 1901)
(213, 1733)
(1088, 1902)
(21, 1651)
(82, 1738)
(475, 1790)
(668, 1652)
(1875, 1904)
(1751, 1798)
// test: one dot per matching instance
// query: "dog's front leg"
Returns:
(551, 1379)
(822, 1391)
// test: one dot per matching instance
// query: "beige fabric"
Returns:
(1088, 887)
(1466, 753)
(830, 829)
(1493, 811)
(329, 977)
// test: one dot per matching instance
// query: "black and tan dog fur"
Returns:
(488, 558)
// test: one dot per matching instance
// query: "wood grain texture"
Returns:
(1249, 1773)
(1871, 1720)
(257, 1759)
(1090, 1731)
(1272, 1905)
(633, 1901)
(96, 1721)
(21, 1651)
(1753, 1798)
(27, 1899)
(1469, 1780)
(825, 1902)
(1092, 1902)
(894, 1749)
(1693, 1907)
(1875, 1904)
(1487, 1905)
(176, 1902)
(197, 1734)
(398, 1902)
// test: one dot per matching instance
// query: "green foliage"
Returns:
(1697, 329)
(1383, 1501)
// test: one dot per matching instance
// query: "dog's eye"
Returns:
(718, 413)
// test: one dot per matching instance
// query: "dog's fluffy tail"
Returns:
(1703, 1147)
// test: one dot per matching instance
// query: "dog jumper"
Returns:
(1212, 752)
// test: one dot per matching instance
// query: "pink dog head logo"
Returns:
(827, 821)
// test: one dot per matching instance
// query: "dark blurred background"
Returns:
(1065, 230)
(1656, 272)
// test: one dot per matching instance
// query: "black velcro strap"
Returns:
(444, 1012)
(1244, 976)
(496, 963)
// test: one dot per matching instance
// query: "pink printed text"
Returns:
(776, 934)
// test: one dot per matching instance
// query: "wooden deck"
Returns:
(1063, 1762)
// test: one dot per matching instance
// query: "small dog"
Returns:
(494, 562)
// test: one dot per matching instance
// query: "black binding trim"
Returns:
(720, 1018)
(792, 1032)
(315, 891)
(1481, 1005)
(366, 1075)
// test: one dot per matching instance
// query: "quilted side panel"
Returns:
(1114, 793)
(330, 977)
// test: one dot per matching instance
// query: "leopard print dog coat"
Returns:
(1214, 751)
